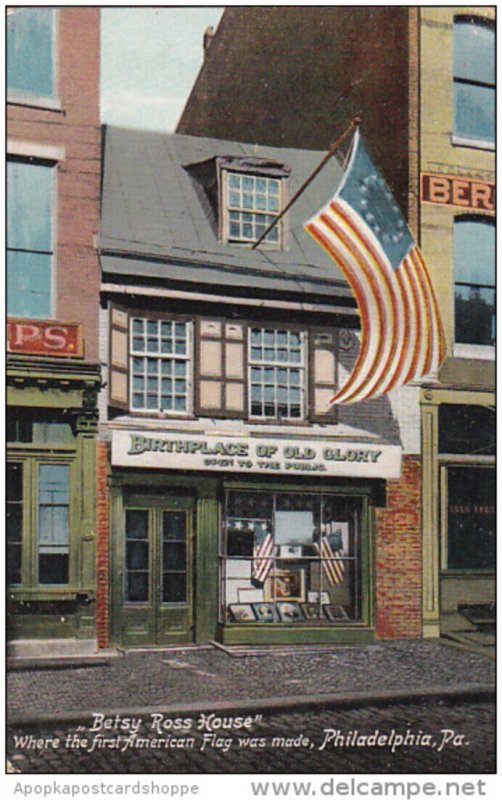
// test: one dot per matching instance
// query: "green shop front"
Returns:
(243, 536)
(51, 429)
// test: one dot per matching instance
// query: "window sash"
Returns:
(159, 365)
(474, 79)
(251, 204)
(276, 383)
(31, 51)
(30, 233)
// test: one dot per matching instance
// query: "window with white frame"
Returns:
(474, 79)
(160, 357)
(277, 373)
(474, 260)
(252, 202)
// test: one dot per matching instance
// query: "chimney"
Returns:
(207, 38)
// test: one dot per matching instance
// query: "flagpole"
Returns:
(354, 124)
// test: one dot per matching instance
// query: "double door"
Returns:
(154, 587)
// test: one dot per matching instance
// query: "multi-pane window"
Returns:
(30, 191)
(137, 556)
(41, 458)
(474, 79)
(252, 203)
(53, 527)
(30, 51)
(474, 260)
(160, 360)
(291, 558)
(471, 518)
(14, 521)
(277, 373)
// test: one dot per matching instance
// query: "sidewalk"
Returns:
(204, 678)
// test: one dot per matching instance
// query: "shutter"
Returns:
(220, 369)
(119, 358)
(323, 374)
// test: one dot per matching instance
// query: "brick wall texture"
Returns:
(399, 556)
(102, 545)
(76, 127)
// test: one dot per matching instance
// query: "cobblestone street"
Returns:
(436, 737)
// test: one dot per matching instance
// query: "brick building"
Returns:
(423, 81)
(53, 375)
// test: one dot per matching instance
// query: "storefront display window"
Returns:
(471, 518)
(291, 558)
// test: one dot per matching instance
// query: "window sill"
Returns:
(480, 352)
(34, 101)
(477, 144)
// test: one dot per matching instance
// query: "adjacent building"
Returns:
(53, 374)
(423, 81)
(243, 507)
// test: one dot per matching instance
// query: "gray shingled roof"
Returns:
(154, 223)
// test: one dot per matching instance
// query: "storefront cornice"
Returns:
(207, 297)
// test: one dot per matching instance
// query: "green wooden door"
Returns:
(155, 603)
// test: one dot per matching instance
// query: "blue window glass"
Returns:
(29, 239)
(53, 530)
(30, 51)
(474, 259)
(474, 79)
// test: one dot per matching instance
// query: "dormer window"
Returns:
(251, 203)
(242, 196)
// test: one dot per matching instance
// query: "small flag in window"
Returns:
(364, 232)
(262, 554)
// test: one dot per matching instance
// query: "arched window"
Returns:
(474, 260)
(474, 79)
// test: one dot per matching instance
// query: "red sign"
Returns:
(45, 338)
(451, 190)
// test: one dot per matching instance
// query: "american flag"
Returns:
(263, 549)
(330, 550)
(364, 232)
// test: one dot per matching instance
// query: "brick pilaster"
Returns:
(399, 556)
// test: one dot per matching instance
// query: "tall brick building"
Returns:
(53, 376)
(422, 79)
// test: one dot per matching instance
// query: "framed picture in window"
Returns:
(285, 584)
(265, 612)
(311, 611)
(242, 612)
(290, 612)
(335, 613)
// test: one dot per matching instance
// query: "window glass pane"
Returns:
(28, 284)
(466, 430)
(474, 315)
(136, 555)
(474, 51)
(474, 259)
(14, 521)
(29, 206)
(53, 568)
(30, 43)
(471, 518)
(474, 111)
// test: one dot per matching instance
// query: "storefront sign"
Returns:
(249, 454)
(451, 190)
(41, 337)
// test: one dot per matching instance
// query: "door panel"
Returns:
(155, 596)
